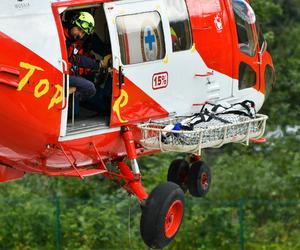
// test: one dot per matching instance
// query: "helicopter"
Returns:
(169, 60)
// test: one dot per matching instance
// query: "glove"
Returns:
(105, 61)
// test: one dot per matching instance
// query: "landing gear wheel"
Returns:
(178, 173)
(199, 179)
(162, 215)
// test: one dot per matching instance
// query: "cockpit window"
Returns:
(261, 38)
(141, 37)
(245, 17)
(244, 11)
(179, 24)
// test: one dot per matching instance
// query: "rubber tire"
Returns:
(154, 212)
(198, 169)
(178, 173)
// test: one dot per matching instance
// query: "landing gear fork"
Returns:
(133, 178)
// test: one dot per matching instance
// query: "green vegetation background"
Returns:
(95, 214)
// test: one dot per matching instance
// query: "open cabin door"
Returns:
(139, 52)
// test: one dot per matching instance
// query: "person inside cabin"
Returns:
(80, 40)
(175, 41)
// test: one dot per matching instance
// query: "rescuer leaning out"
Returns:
(80, 64)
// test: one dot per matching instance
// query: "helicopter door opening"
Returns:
(88, 83)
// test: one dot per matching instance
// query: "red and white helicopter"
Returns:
(169, 57)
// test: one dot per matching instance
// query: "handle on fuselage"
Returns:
(121, 77)
(205, 75)
(9, 70)
(12, 72)
(65, 81)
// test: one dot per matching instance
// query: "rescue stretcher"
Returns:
(157, 135)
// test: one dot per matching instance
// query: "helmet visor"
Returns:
(86, 26)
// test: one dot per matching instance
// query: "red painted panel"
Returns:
(131, 104)
(212, 34)
(28, 120)
(9, 174)
(29, 130)
(266, 60)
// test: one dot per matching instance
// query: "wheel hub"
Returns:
(204, 180)
(173, 218)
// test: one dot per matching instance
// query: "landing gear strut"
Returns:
(163, 209)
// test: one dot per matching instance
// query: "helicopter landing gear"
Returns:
(196, 178)
(162, 215)
(178, 173)
(163, 209)
(199, 179)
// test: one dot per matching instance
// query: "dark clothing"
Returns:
(80, 63)
(94, 43)
(80, 70)
(85, 89)
(101, 101)
(87, 62)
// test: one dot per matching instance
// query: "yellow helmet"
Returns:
(86, 22)
(173, 35)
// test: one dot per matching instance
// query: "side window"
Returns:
(179, 24)
(247, 76)
(269, 79)
(244, 18)
(141, 37)
(261, 38)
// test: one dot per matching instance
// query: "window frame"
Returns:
(186, 23)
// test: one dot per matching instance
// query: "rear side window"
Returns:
(179, 24)
(141, 37)
(244, 18)
(269, 79)
(247, 76)
(261, 38)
